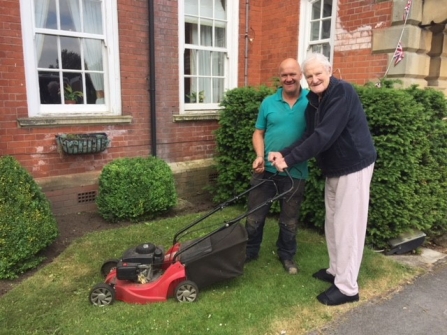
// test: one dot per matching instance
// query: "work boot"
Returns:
(290, 266)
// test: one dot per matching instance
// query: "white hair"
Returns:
(317, 58)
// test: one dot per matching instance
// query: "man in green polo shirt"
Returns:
(280, 123)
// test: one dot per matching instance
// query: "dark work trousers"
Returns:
(290, 205)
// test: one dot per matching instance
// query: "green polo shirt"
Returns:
(283, 125)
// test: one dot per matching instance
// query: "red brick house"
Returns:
(152, 73)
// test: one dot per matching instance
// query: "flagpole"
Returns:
(400, 38)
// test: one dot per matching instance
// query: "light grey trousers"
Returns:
(347, 201)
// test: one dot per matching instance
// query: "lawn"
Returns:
(264, 300)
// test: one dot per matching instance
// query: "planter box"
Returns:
(78, 144)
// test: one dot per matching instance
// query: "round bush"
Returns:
(135, 189)
(27, 224)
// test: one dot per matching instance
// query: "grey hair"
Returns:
(318, 58)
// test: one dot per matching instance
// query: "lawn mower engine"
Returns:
(141, 264)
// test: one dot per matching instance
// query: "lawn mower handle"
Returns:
(237, 219)
(270, 201)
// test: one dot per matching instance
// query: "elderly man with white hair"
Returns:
(338, 137)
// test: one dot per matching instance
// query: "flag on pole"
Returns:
(407, 9)
(398, 54)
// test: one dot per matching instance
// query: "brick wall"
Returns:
(273, 31)
(77, 193)
(279, 36)
(356, 22)
(12, 85)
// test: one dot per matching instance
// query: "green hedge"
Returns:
(398, 124)
(135, 189)
(27, 225)
(432, 185)
(409, 186)
(235, 153)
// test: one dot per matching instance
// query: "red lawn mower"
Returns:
(145, 274)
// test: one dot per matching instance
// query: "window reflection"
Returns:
(316, 9)
(315, 31)
(205, 28)
(50, 82)
(69, 17)
(49, 88)
(206, 35)
(80, 58)
(320, 27)
(48, 57)
(218, 63)
(71, 52)
(326, 33)
(221, 40)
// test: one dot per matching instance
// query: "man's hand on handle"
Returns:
(258, 165)
(277, 161)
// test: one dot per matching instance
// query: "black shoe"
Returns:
(333, 297)
(324, 276)
(290, 266)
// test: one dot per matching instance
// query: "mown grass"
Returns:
(265, 300)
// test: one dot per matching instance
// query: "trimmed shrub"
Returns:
(135, 189)
(432, 184)
(397, 123)
(27, 224)
(235, 152)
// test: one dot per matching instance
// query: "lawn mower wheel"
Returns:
(102, 295)
(186, 291)
(108, 266)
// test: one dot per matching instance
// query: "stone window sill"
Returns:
(49, 121)
(196, 117)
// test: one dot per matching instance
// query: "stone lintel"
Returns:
(413, 65)
(413, 39)
(415, 15)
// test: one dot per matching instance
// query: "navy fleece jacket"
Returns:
(337, 133)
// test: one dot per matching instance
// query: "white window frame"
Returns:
(112, 81)
(305, 31)
(231, 63)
